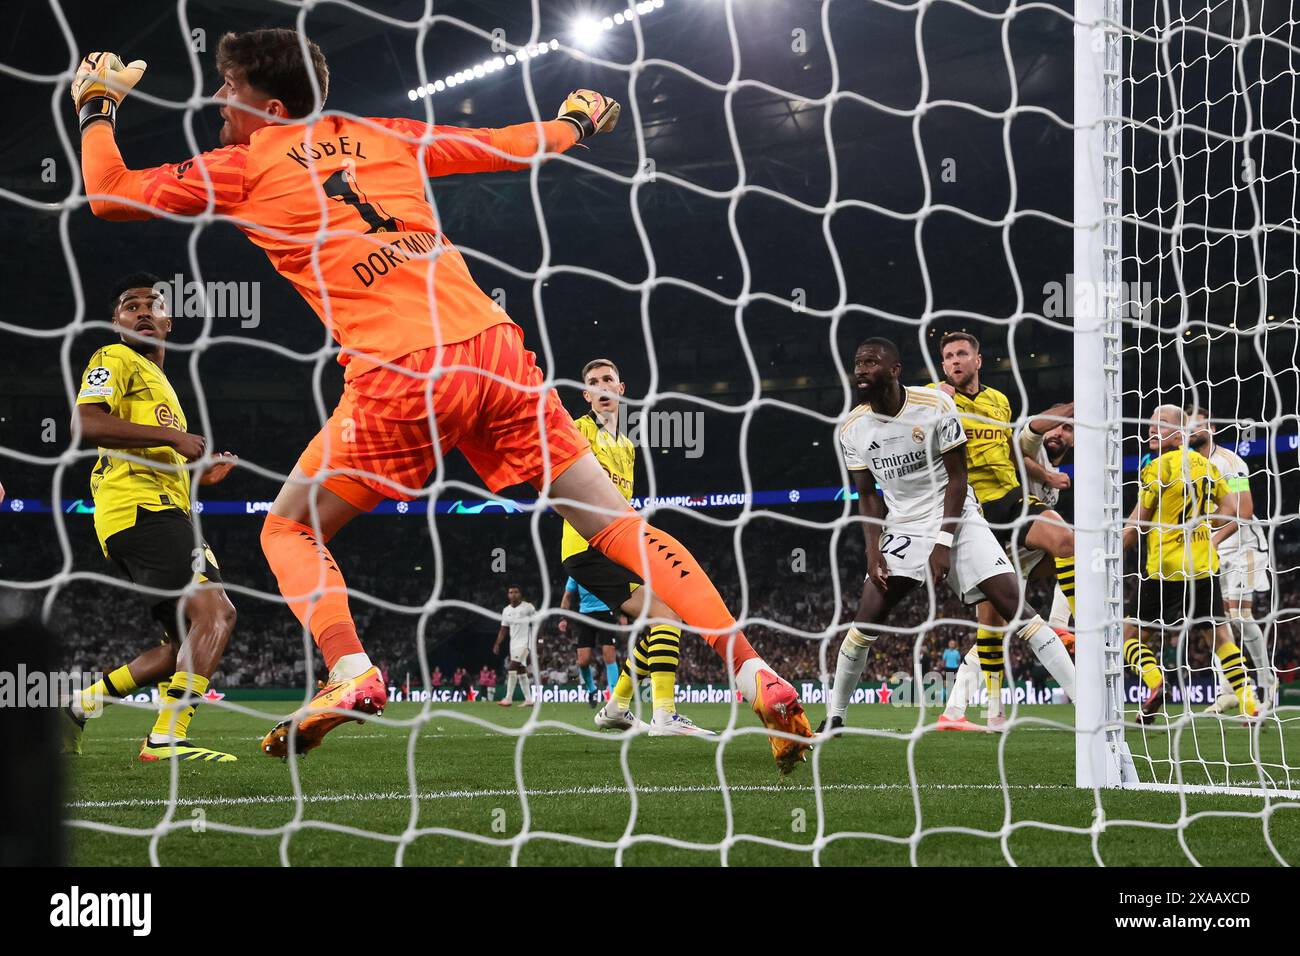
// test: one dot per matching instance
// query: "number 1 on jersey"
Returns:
(342, 187)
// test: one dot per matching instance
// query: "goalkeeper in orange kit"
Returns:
(338, 205)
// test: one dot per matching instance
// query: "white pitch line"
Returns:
(565, 792)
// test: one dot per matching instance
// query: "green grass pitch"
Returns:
(463, 774)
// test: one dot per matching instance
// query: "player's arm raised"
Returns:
(1031, 439)
(954, 500)
(872, 508)
(448, 150)
(211, 180)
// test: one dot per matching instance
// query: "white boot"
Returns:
(667, 723)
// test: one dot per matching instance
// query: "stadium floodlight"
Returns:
(585, 34)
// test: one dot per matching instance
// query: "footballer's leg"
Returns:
(157, 552)
(990, 649)
(1003, 594)
(610, 657)
(154, 665)
(211, 620)
(1233, 663)
(302, 519)
(1239, 606)
(616, 713)
(532, 438)
(512, 678)
(965, 690)
(1143, 662)
(654, 657)
(873, 608)
(520, 660)
(585, 677)
(1048, 532)
(601, 515)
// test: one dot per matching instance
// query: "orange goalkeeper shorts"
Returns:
(390, 426)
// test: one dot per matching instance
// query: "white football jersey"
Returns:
(516, 619)
(905, 453)
(1249, 537)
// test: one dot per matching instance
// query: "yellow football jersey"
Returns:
(133, 388)
(617, 455)
(990, 461)
(1179, 487)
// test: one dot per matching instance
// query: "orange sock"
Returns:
(302, 566)
(676, 578)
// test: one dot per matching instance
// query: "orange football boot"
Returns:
(956, 723)
(363, 694)
(777, 705)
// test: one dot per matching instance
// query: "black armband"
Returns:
(582, 121)
(97, 108)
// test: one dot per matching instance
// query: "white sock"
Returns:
(747, 678)
(349, 666)
(1051, 653)
(511, 679)
(1060, 616)
(1253, 639)
(964, 686)
(848, 669)
(525, 686)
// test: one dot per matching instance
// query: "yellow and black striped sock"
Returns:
(1139, 657)
(988, 646)
(664, 655)
(173, 721)
(1065, 578)
(1234, 672)
(628, 677)
(116, 684)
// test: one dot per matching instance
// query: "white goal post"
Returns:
(1101, 755)
(1164, 95)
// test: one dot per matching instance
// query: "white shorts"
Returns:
(976, 554)
(519, 651)
(1242, 573)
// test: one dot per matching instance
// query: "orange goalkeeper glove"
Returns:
(102, 81)
(590, 112)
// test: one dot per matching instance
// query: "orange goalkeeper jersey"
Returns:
(348, 193)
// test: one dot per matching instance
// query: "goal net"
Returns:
(787, 179)
(1192, 162)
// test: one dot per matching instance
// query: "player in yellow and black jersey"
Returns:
(1185, 508)
(656, 654)
(993, 475)
(141, 490)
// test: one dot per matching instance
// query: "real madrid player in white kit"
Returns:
(908, 442)
(519, 618)
(1243, 556)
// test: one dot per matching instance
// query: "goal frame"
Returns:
(1102, 757)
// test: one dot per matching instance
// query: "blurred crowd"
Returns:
(790, 576)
